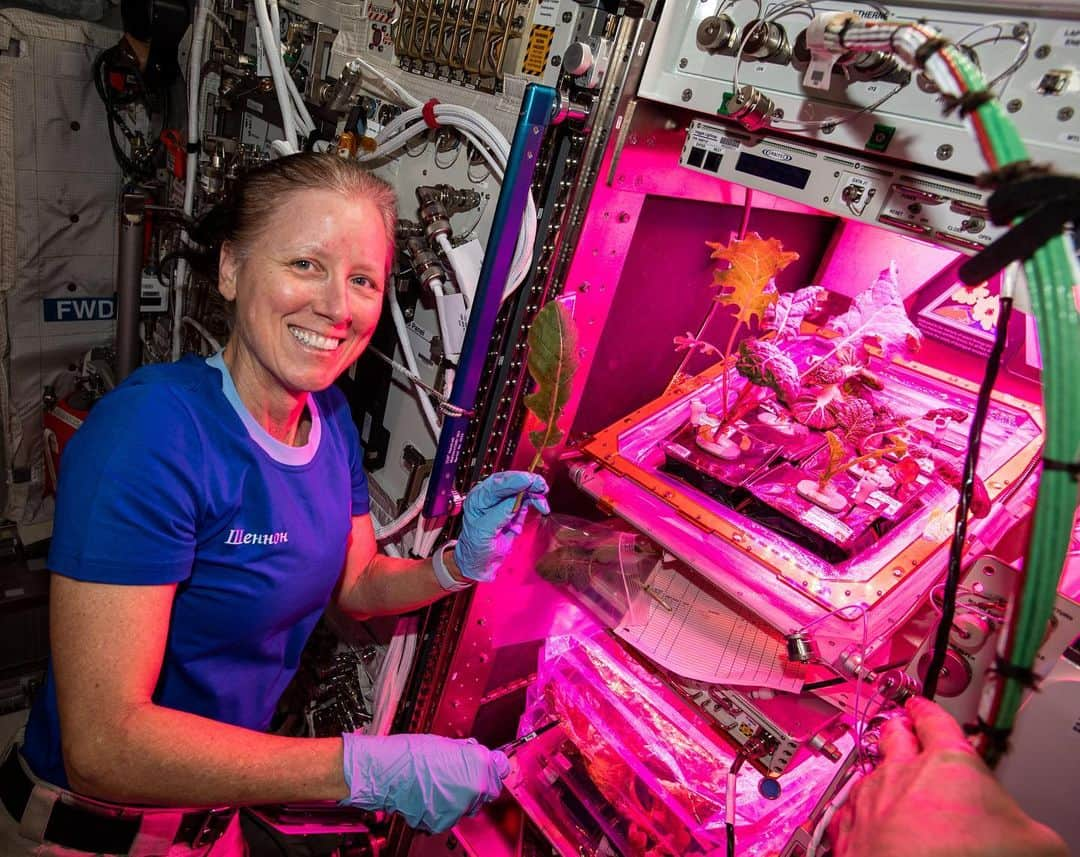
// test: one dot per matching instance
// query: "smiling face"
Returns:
(308, 291)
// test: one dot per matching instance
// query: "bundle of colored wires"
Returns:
(1051, 272)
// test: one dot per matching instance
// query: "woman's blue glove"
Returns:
(432, 781)
(490, 521)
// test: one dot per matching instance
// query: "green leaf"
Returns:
(762, 363)
(552, 362)
(837, 456)
(746, 284)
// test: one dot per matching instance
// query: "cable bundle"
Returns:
(485, 138)
(1051, 273)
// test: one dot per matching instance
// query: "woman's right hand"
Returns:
(430, 780)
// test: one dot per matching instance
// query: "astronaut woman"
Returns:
(208, 511)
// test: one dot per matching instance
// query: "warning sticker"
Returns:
(536, 54)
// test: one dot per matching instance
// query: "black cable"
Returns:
(115, 59)
(751, 747)
(967, 487)
(818, 685)
(169, 259)
(128, 166)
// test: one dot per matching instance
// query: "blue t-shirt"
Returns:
(171, 480)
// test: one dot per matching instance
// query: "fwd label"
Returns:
(79, 309)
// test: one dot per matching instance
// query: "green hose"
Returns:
(1051, 274)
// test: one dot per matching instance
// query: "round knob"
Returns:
(577, 59)
(955, 674)
(715, 33)
(970, 632)
(769, 788)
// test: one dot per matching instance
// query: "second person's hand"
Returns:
(932, 796)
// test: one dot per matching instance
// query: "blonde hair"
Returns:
(258, 195)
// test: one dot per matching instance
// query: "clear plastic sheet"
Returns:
(604, 563)
(663, 778)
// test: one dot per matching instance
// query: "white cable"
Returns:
(830, 811)
(450, 353)
(391, 529)
(191, 167)
(492, 146)
(464, 279)
(203, 332)
(405, 372)
(406, 97)
(292, 96)
(303, 117)
(302, 124)
(275, 19)
(425, 538)
(281, 148)
(273, 59)
(440, 293)
(410, 360)
(217, 19)
(393, 672)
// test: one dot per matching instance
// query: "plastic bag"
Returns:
(664, 775)
(602, 563)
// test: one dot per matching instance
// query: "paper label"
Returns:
(1067, 37)
(826, 523)
(819, 71)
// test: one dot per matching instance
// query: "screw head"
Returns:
(944, 152)
(556, 61)
(1013, 105)
(684, 62)
(1042, 52)
(1065, 114)
(567, 17)
(687, 94)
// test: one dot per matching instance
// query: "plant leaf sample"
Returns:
(877, 315)
(745, 285)
(552, 362)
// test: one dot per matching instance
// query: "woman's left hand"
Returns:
(490, 521)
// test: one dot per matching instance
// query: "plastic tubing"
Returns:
(410, 361)
(392, 528)
(303, 117)
(406, 97)
(1051, 272)
(203, 332)
(493, 147)
(191, 167)
(277, 72)
(444, 244)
